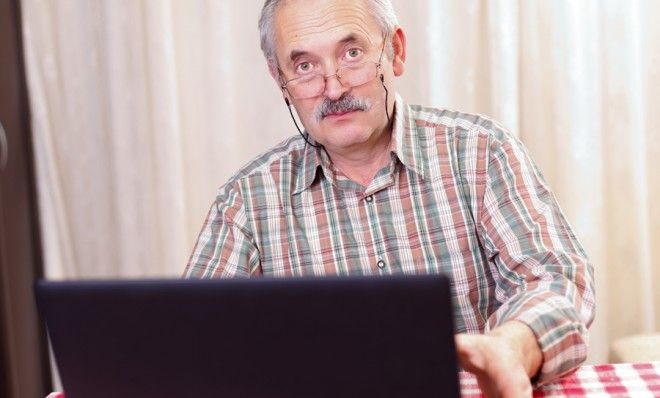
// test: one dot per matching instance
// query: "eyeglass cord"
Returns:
(288, 105)
(305, 136)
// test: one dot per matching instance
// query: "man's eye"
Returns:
(304, 67)
(353, 53)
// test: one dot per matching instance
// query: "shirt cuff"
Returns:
(554, 321)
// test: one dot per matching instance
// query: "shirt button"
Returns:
(381, 264)
(369, 198)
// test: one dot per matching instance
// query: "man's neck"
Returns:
(360, 164)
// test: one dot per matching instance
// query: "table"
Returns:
(620, 380)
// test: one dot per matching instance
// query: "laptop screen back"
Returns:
(322, 337)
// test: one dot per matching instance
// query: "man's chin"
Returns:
(343, 139)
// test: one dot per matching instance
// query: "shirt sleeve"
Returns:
(225, 247)
(543, 276)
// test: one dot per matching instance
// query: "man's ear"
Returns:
(275, 74)
(399, 51)
(272, 68)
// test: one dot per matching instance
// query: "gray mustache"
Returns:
(346, 103)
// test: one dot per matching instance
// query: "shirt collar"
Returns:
(404, 145)
(311, 161)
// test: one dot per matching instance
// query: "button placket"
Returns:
(371, 210)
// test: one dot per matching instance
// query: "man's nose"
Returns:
(334, 89)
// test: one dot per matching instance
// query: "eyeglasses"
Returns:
(305, 87)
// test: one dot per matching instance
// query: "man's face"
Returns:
(319, 36)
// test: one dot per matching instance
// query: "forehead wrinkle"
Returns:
(350, 27)
(342, 10)
(324, 21)
(323, 18)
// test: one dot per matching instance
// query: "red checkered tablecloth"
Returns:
(620, 380)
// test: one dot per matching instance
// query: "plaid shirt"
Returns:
(460, 196)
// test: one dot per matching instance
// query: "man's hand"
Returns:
(503, 360)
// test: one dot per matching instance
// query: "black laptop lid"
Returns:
(322, 337)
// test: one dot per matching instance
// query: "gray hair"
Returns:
(382, 11)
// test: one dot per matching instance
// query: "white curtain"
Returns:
(142, 108)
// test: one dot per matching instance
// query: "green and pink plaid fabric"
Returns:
(460, 196)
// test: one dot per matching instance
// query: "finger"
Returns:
(470, 356)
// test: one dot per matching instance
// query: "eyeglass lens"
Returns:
(348, 76)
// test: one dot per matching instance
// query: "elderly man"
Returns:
(376, 186)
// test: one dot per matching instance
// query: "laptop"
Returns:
(295, 338)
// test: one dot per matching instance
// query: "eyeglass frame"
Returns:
(326, 77)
